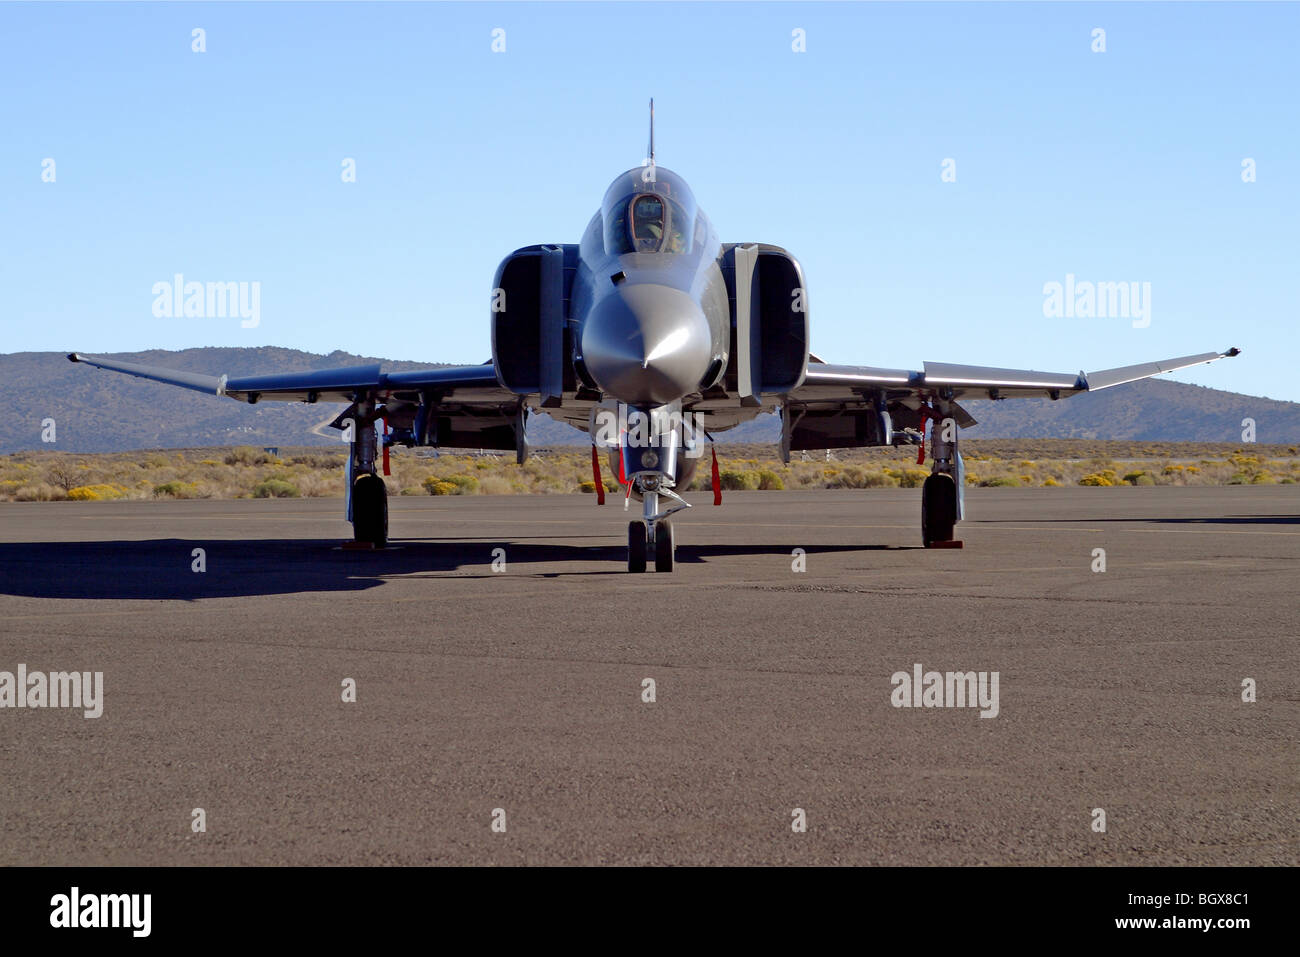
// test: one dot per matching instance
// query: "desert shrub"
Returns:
(879, 480)
(1096, 479)
(318, 461)
(913, 478)
(94, 493)
(769, 481)
(62, 475)
(436, 486)
(499, 485)
(737, 481)
(465, 484)
(1001, 481)
(451, 485)
(589, 485)
(246, 455)
(1051, 483)
(275, 488)
(44, 492)
(850, 476)
(316, 485)
(176, 489)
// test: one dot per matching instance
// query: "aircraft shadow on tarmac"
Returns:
(162, 569)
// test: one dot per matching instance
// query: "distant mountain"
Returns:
(98, 411)
(1153, 409)
(1150, 410)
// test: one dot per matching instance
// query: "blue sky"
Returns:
(225, 166)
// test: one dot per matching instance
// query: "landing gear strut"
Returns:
(649, 467)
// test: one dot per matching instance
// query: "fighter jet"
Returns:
(652, 335)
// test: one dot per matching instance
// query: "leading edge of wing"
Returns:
(1109, 377)
(342, 383)
(968, 381)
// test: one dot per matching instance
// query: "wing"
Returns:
(469, 407)
(834, 401)
(467, 383)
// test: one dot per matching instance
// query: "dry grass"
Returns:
(246, 472)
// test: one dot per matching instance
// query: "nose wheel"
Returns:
(640, 548)
(664, 548)
(636, 546)
(652, 537)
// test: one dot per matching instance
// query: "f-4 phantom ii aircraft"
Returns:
(647, 332)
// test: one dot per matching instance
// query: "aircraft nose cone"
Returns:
(646, 344)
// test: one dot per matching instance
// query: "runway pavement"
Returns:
(522, 690)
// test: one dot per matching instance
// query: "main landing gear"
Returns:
(941, 495)
(938, 509)
(367, 495)
(370, 511)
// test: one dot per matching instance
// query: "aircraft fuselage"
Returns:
(649, 301)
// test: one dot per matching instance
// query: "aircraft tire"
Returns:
(370, 511)
(636, 546)
(665, 547)
(938, 508)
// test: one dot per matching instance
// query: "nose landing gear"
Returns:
(654, 533)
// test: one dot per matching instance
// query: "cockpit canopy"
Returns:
(649, 210)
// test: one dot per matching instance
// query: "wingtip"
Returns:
(73, 357)
(1234, 351)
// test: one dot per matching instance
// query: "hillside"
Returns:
(98, 411)
(1154, 410)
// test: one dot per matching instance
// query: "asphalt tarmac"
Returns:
(516, 696)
